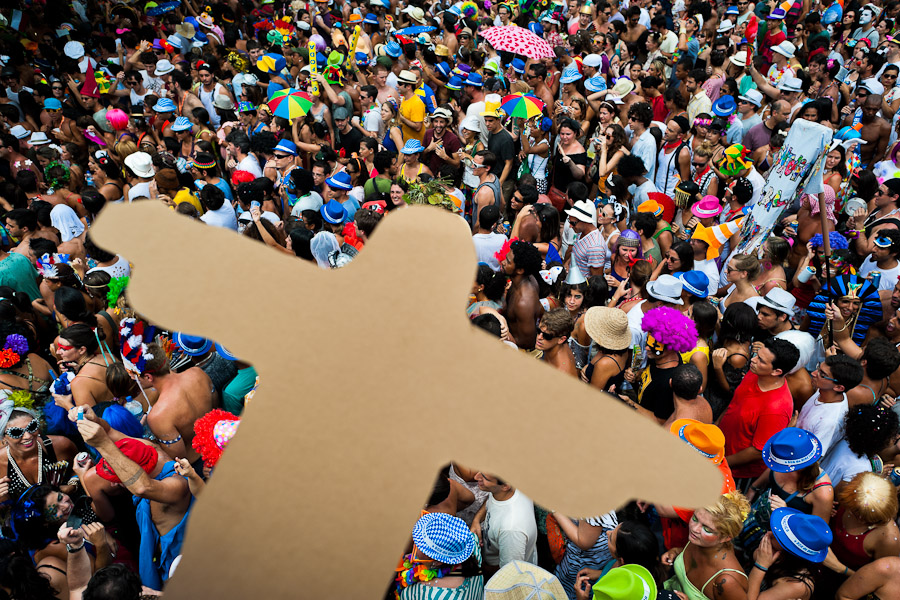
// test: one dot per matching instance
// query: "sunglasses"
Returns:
(17, 432)
(546, 335)
(57, 87)
(280, 156)
(698, 164)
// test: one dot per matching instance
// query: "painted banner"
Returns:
(797, 169)
(313, 69)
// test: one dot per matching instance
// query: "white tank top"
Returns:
(667, 175)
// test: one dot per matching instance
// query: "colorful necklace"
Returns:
(410, 572)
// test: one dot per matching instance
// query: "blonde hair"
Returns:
(748, 263)
(705, 150)
(125, 147)
(729, 514)
(871, 498)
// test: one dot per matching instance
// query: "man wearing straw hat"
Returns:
(412, 108)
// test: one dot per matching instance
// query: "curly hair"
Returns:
(527, 257)
(671, 328)
(19, 575)
(870, 429)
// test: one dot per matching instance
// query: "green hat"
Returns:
(385, 61)
(628, 582)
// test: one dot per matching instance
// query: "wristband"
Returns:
(72, 549)
(756, 565)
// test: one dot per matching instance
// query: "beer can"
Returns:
(895, 476)
(875, 277)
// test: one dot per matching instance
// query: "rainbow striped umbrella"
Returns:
(522, 106)
(290, 103)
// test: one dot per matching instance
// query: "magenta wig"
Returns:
(670, 328)
(117, 118)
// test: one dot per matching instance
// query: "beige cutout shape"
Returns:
(372, 378)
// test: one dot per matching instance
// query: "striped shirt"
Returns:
(594, 557)
(472, 588)
(590, 251)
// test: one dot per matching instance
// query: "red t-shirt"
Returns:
(752, 418)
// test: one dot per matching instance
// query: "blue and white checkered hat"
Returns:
(444, 538)
(412, 146)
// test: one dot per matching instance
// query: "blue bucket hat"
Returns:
(444, 538)
(393, 49)
(444, 69)
(595, 84)
(164, 105)
(52, 104)
(286, 146)
(362, 58)
(791, 449)
(475, 80)
(412, 147)
(332, 212)
(221, 351)
(370, 19)
(570, 75)
(181, 124)
(455, 83)
(724, 106)
(732, 10)
(518, 65)
(339, 181)
(805, 536)
(695, 282)
(192, 345)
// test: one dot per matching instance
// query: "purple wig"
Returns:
(632, 238)
(670, 328)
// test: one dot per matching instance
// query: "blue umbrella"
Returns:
(415, 30)
(163, 8)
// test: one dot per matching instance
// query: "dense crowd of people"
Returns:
(610, 158)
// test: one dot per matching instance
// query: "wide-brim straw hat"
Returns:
(520, 580)
(608, 327)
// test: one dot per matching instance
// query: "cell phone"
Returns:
(74, 521)
(842, 74)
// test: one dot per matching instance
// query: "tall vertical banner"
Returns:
(313, 69)
(797, 170)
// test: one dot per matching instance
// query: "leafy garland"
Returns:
(431, 193)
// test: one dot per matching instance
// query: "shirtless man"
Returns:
(633, 29)
(184, 98)
(183, 398)
(380, 82)
(553, 340)
(877, 579)
(686, 382)
(536, 78)
(21, 223)
(875, 131)
(488, 191)
(522, 264)
(160, 492)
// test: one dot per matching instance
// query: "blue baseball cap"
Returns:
(286, 146)
(164, 105)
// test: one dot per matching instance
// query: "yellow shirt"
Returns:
(414, 110)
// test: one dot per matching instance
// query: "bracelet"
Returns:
(756, 565)
(845, 570)
(73, 549)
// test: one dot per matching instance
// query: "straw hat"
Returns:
(608, 327)
(520, 580)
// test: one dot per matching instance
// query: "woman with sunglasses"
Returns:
(612, 142)
(27, 454)
(359, 175)
(891, 99)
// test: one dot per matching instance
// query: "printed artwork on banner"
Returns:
(797, 169)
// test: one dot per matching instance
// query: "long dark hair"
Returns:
(636, 544)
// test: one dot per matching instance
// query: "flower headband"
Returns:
(700, 122)
(14, 349)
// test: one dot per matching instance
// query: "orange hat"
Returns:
(708, 440)
(650, 206)
(716, 236)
